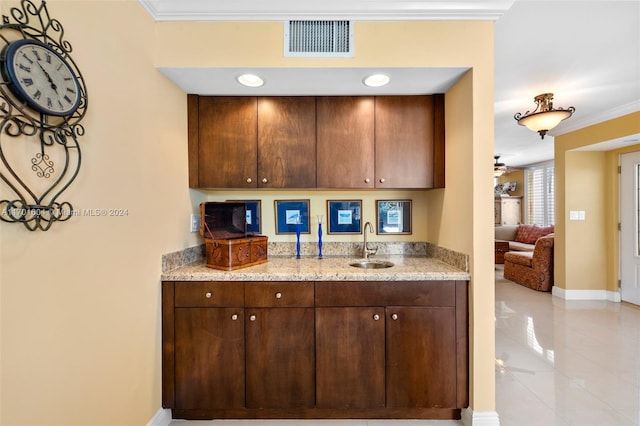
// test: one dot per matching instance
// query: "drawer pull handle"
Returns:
(376, 317)
(208, 295)
(394, 317)
(367, 180)
(382, 180)
(249, 180)
(234, 317)
(252, 317)
(278, 295)
(264, 180)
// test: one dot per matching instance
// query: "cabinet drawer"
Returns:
(385, 293)
(209, 294)
(279, 294)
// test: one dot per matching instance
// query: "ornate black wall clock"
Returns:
(43, 98)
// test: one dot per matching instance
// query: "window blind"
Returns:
(540, 190)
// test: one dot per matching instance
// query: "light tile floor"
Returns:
(565, 362)
(558, 363)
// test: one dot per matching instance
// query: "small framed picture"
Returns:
(290, 214)
(393, 217)
(254, 215)
(344, 216)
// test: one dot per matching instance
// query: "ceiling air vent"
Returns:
(312, 39)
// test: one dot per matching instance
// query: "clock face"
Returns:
(40, 77)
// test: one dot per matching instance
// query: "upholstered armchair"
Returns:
(532, 269)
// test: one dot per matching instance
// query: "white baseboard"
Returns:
(480, 418)
(161, 418)
(611, 296)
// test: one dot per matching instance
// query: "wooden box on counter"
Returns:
(228, 246)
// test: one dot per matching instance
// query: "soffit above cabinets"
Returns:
(313, 81)
(363, 10)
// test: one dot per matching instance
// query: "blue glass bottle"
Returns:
(320, 237)
(298, 225)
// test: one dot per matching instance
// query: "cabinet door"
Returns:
(404, 130)
(345, 142)
(350, 357)
(421, 357)
(227, 146)
(287, 142)
(510, 211)
(280, 358)
(209, 358)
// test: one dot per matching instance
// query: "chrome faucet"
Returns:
(366, 251)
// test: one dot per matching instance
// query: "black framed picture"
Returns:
(254, 215)
(393, 217)
(345, 216)
(289, 214)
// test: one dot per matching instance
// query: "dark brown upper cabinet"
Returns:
(346, 144)
(287, 142)
(408, 142)
(316, 142)
(223, 142)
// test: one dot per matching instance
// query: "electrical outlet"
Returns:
(195, 222)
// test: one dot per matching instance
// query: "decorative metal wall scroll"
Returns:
(43, 98)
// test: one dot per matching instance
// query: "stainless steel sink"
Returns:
(371, 264)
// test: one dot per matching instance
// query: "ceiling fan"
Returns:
(499, 168)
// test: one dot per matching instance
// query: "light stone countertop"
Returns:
(286, 268)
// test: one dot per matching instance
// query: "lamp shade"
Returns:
(544, 120)
(545, 117)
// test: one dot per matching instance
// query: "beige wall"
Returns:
(461, 218)
(516, 176)
(80, 305)
(584, 190)
(586, 252)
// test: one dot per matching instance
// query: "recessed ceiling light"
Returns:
(250, 80)
(376, 80)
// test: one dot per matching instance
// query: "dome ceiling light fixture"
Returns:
(544, 117)
(499, 168)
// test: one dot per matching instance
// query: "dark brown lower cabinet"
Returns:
(421, 366)
(209, 358)
(303, 350)
(350, 357)
(280, 358)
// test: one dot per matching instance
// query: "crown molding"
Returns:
(357, 10)
(590, 120)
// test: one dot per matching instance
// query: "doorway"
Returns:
(630, 227)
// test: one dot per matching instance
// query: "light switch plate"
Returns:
(577, 215)
(195, 222)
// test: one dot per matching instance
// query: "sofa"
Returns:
(530, 261)
(521, 237)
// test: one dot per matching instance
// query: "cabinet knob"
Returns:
(264, 180)
(376, 317)
(367, 180)
(394, 317)
(278, 295)
(382, 180)
(208, 295)
(249, 180)
(234, 317)
(252, 317)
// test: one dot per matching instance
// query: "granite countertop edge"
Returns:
(287, 268)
